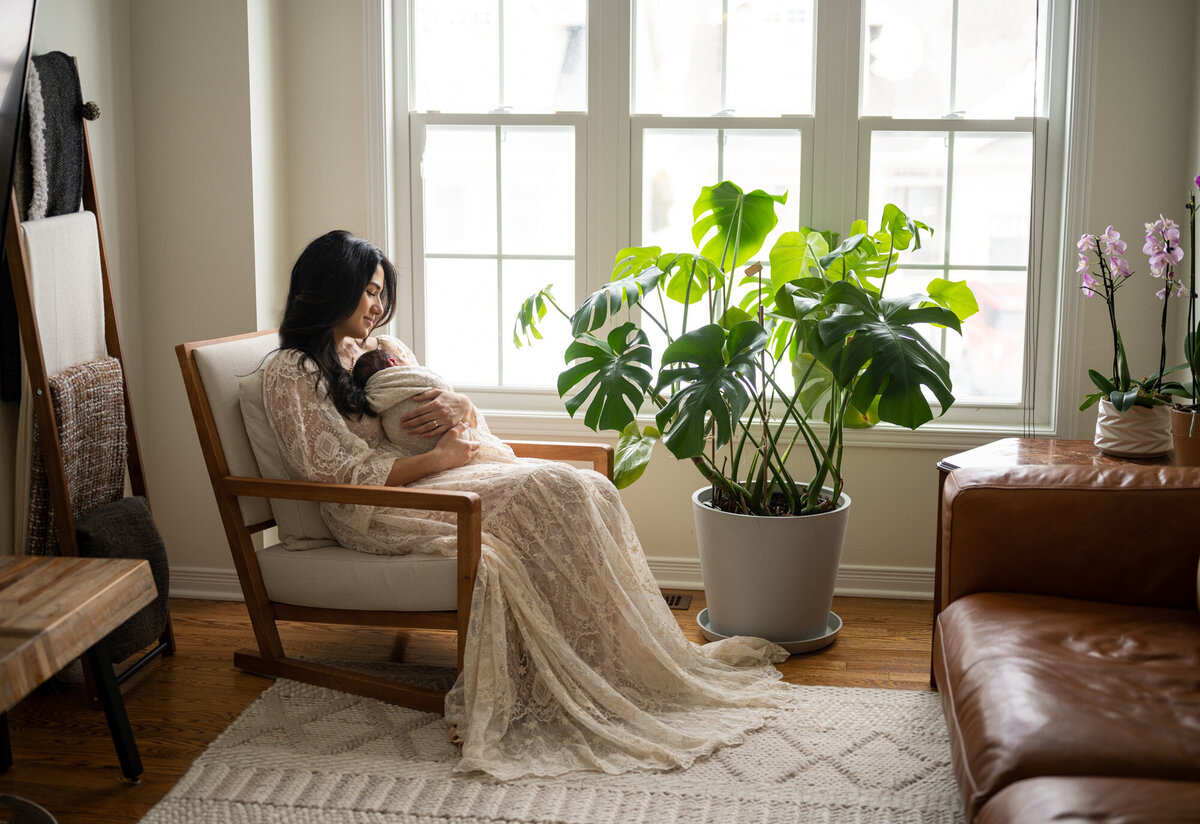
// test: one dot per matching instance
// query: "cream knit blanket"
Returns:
(390, 394)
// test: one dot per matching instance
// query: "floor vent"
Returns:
(678, 600)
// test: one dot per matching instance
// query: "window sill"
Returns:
(559, 426)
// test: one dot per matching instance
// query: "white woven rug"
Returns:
(304, 754)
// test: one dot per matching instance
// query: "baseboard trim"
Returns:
(205, 584)
(212, 584)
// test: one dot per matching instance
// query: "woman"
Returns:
(573, 659)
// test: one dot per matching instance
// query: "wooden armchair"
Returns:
(326, 583)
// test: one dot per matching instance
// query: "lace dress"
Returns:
(573, 659)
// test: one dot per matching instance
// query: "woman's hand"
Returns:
(438, 412)
(455, 448)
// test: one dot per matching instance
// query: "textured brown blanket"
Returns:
(89, 404)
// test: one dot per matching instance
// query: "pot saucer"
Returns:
(832, 626)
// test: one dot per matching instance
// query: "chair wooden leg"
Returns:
(311, 672)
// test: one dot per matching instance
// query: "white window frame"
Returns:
(419, 123)
(639, 124)
(608, 218)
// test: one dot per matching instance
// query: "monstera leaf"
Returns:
(634, 260)
(872, 346)
(741, 222)
(796, 254)
(620, 372)
(531, 312)
(690, 277)
(715, 383)
(609, 298)
(633, 453)
(903, 230)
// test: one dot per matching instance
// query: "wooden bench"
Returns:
(52, 610)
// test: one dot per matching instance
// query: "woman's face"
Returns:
(362, 320)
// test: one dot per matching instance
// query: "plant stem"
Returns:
(1189, 335)
(687, 296)
(1110, 298)
(1162, 353)
(552, 302)
(886, 269)
(762, 365)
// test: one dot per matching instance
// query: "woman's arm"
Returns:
(316, 443)
(455, 448)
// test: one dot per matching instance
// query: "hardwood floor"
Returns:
(63, 757)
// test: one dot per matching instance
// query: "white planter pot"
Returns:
(770, 577)
(1139, 432)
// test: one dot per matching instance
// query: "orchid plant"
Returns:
(1104, 270)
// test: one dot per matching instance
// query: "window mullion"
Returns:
(834, 186)
(953, 58)
(416, 340)
(724, 56)
(499, 252)
(500, 90)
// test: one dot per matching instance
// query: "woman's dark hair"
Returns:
(327, 283)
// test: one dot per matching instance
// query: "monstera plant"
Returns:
(758, 362)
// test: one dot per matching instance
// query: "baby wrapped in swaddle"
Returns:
(390, 386)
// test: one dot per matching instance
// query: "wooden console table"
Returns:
(54, 609)
(1011, 452)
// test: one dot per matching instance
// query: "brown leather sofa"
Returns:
(1067, 652)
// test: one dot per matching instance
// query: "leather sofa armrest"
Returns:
(1127, 534)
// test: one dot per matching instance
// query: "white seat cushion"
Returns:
(340, 578)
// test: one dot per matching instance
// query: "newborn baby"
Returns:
(390, 386)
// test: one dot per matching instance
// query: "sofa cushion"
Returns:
(339, 578)
(1092, 800)
(1034, 685)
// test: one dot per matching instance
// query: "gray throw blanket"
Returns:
(47, 179)
(125, 529)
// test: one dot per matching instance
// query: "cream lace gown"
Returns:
(573, 659)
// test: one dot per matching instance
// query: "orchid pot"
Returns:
(1137, 432)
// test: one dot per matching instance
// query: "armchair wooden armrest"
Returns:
(601, 456)
(1122, 535)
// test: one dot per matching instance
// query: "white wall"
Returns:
(192, 148)
(327, 154)
(1144, 113)
(223, 172)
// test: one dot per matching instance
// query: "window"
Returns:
(499, 93)
(951, 100)
(562, 131)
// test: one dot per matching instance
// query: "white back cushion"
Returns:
(300, 523)
(221, 367)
